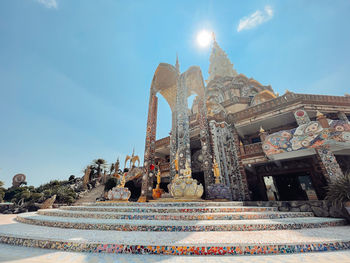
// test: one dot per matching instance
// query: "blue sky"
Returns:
(75, 75)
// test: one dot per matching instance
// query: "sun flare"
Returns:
(204, 38)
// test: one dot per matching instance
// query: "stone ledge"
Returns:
(320, 208)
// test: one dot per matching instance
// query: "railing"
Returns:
(253, 149)
(286, 99)
(163, 141)
(164, 167)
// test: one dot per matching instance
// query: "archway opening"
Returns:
(135, 191)
(164, 118)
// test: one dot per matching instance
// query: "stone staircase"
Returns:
(177, 228)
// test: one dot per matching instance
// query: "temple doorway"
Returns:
(199, 176)
(289, 188)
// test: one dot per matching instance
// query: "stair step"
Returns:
(186, 226)
(173, 216)
(157, 209)
(165, 204)
(177, 243)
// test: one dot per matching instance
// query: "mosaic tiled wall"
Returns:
(301, 117)
(309, 135)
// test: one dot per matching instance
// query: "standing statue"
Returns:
(184, 186)
(216, 171)
(86, 178)
(157, 192)
(122, 181)
(218, 191)
(119, 192)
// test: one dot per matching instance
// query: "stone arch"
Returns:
(175, 88)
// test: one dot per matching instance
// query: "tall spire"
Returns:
(177, 65)
(220, 64)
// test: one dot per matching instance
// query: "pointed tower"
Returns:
(220, 64)
(177, 65)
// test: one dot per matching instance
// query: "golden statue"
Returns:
(158, 178)
(122, 181)
(133, 159)
(157, 192)
(176, 161)
(216, 171)
(187, 171)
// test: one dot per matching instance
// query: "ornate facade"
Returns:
(265, 146)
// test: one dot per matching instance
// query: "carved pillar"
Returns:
(301, 117)
(173, 145)
(342, 116)
(205, 143)
(246, 194)
(226, 155)
(147, 180)
(329, 162)
(182, 124)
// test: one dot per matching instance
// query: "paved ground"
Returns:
(13, 254)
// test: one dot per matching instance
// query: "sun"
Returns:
(204, 38)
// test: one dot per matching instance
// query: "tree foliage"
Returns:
(338, 190)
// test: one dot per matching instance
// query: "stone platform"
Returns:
(193, 228)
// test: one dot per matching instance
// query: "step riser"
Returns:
(171, 204)
(194, 228)
(176, 250)
(173, 210)
(175, 217)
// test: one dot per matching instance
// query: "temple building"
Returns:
(265, 146)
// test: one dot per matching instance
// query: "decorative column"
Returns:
(243, 175)
(301, 117)
(173, 145)
(149, 157)
(226, 155)
(205, 143)
(331, 167)
(330, 163)
(182, 124)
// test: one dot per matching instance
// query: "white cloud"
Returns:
(255, 19)
(48, 3)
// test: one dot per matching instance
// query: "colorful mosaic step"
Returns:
(177, 225)
(166, 204)
(173, 216)
(211, 209)
(176, 243)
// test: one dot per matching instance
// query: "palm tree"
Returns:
(101, 164)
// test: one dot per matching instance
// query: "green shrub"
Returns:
(338, 190)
